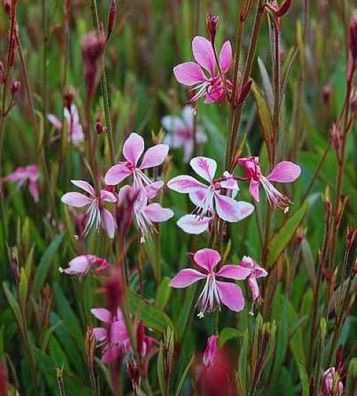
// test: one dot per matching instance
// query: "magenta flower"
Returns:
(215, 292)
(208, 198)
(74, 127)
(211, 351)
(24, 174)
(180, 132)
(146, 214)
(283, 172)
(97, 213)
(332, 383)
(255, 272)
(81, 265)
(191, 74)
(132, 151)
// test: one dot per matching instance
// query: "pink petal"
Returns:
(19, 174)
(207, 258)
(284, 172)
(152, 189)
(112, 354)
(54, 121)
(204, 167)
(245, 208)
(34, 190)
(254, 190)
(100, 334)
(186, 277)
(172, 124)
(203, 53)
(185, 184)
(254, 288)
(231, 295)
(198, 197)
(230, 183)
(193, 224)
(225, 57)
(102, 314)
(187, 116)
(227, 208)
(107, 196)
(76, 199)
(260, 272)
(236, 272)
(116, 174)
(79, 265)
(118, 332)
(108, 222)
(156, 213)
(189, 73)
(133, 148)
(84, 186)
(154, 156)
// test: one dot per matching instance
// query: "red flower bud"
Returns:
(284, 8)
(68, 97)
(326, 94)
(15, 88)
(111, 17)
(212, 22)
(99, 127)
(353, 37)
(114, 290)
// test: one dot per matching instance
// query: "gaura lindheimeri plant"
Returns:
(209, 198)
(146, 214)
(283, 172)
(81, 265)
(24, 174)
(211, 351)
(215, 292)
(74, 127)
(97, 213)
(332, 384)
(208, 85)
(180, 132)
(255, 272)
(133, 149)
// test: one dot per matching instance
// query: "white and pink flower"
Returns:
(209, 199)
(215, 292)
(333, 385)
(81, 265)
(133, 149)
(98, 215)
(192, 74)
(26, 174)
(211, 351)
(255, 272)
(180, 132)
(283, 172)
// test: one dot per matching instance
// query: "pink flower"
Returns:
(332, 383)
(146, 214)
(211, 351)
(191, 74)
(255, 272)
(215, 292)
(74, 127)
(81, 265)
(24, 174)
(180, 132)
(132, 150)
(97, 213)
(208, 198)
(283, 172)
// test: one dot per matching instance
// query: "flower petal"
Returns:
(111, 354)
(107, 196)
(204, 167)
(84, 186)
(154, 156)
(156, 213)
(254, 288)
(231, 295)
(76, 199)
(100, 334)
(102, 314)
(193, 224)
(133, 148)
(54, 121)
(108, 222)
(185, 184)
(207, 258)
(227, 208)
(34, 190)
(254, 190)
(203, 53)
(172, 124)
(284, 172)
(225, 57)
(189, 74)
(245, 208)
(236, 272)
(152, 189)
(79, 265)
(186, 277)
(116, 174)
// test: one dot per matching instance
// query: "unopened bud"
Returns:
(68, 96)
(15, 88)
(1, 72)
(336, 137)
(245, 92)
(326, 94)
(284, 8)
(100, 128)
(353, 102)
(114, 290)
(353, 37)
(212, 22)
(350, 236)
(111, 17)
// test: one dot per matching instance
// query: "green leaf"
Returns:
(45, 263)
(13, 304)
(23, 288)
(183, 377)
(150, 315)
(227, 334)
(163, 293)
(285, 233)
(243, 365)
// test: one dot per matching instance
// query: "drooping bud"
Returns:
(69, 94)
(211, 351)
(113, 290)
(111, 17)
(212, 22)
(336, 137)
(245, 91)
(15, 88)
(352, 42)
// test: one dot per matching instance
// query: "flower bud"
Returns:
(326, 94)
(15, 88)
(100, 128)
(352, 42)
(336, 137)
(113, 290)
(68, 96)
(211, 351)
(111, 17)
(212, 22)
